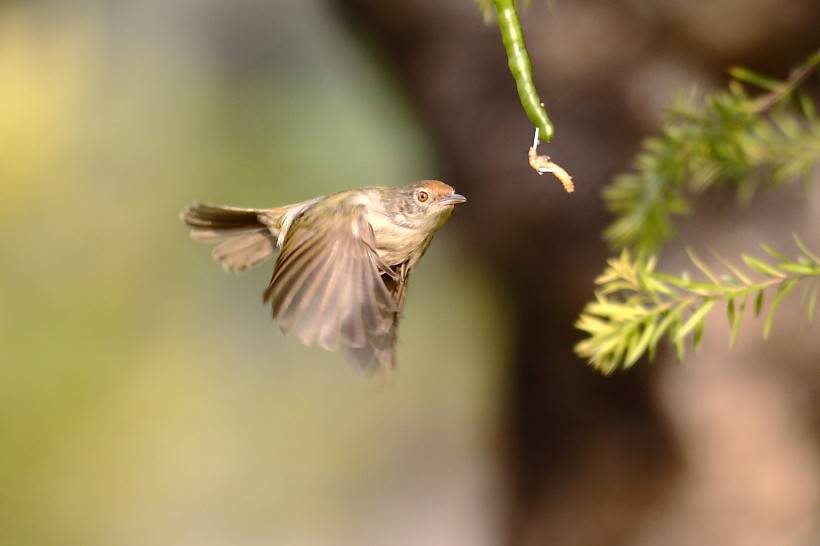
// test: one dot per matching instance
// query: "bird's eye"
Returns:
(422, 196)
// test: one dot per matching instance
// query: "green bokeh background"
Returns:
(146, 397)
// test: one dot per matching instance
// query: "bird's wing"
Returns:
(383, 347)
(327, 284)
(244, 237)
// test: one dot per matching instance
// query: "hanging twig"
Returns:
(519, 63)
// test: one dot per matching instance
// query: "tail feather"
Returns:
(245, 238)
(204, 215)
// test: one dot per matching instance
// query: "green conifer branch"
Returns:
(637, 306)
(729, 137)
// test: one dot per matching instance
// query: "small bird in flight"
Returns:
(344, 259)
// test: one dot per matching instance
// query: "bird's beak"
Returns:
(453, 199)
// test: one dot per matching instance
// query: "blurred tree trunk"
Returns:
(586, 457)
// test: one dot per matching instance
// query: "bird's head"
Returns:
(426, 204)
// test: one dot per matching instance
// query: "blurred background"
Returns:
(147, 398)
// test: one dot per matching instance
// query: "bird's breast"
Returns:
(396, 243)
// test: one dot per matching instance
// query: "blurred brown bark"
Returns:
(587, 457)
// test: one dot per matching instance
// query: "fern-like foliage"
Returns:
(636, 306)
(730, 137)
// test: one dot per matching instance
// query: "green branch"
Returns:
(729, 137)
(519, 62)
(637, 306)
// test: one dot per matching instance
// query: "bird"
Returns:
(344, 259)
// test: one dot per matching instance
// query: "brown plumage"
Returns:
(341, 275)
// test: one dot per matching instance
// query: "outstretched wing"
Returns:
(383, 348)
(327, 284)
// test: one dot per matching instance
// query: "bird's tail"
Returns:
(244, 237)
